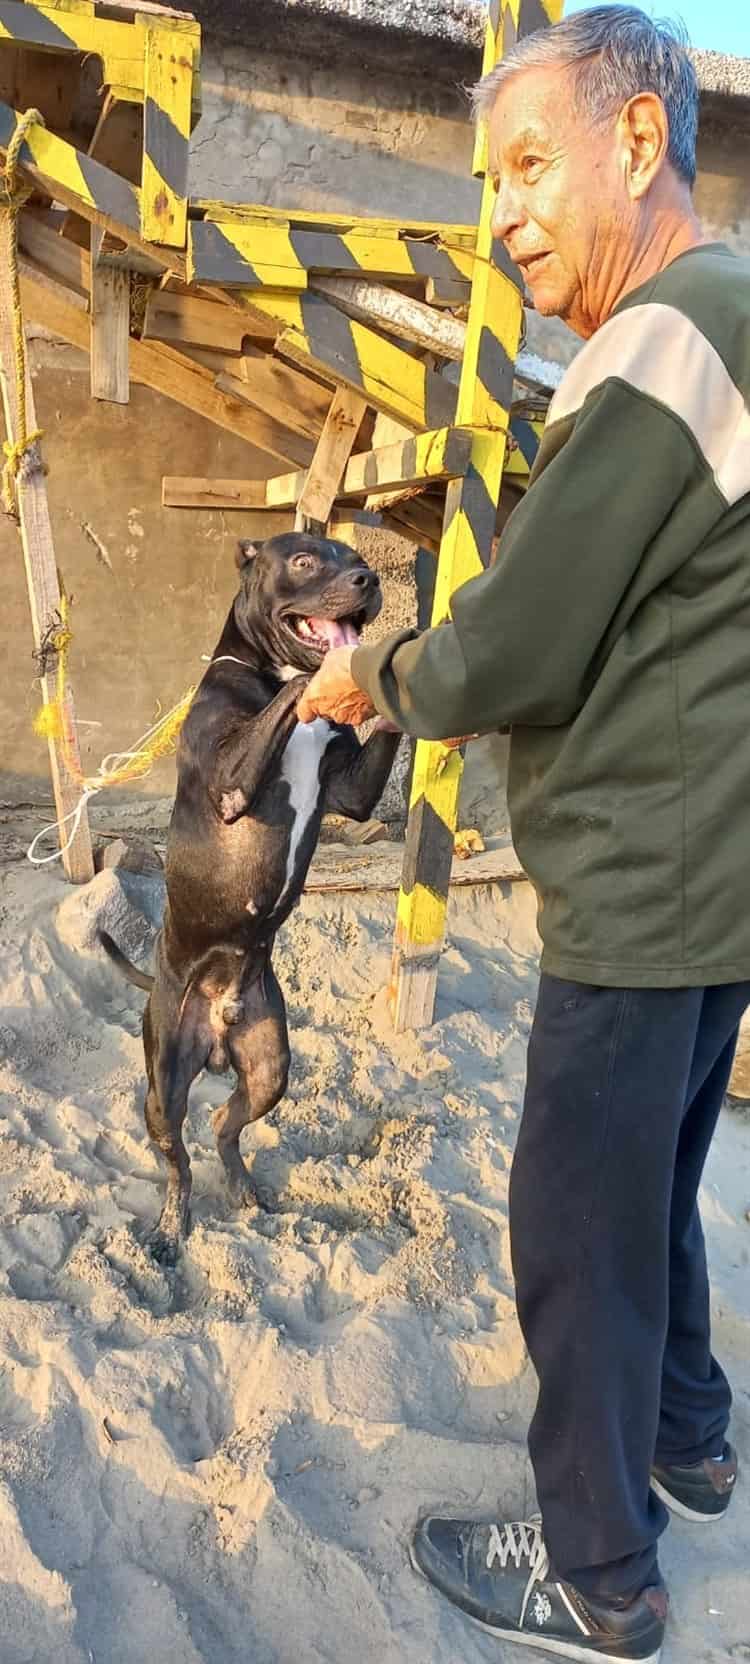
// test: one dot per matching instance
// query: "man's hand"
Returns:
(333, 693)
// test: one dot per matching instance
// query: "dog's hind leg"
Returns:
(258, 1047)
(172, 1062)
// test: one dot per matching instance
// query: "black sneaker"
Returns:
(501, 1576)
(702, 1492)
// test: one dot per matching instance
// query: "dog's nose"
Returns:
(364, 579)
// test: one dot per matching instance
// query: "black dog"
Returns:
(252, 787)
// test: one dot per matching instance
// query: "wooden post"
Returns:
(332, 453)
(41, 576)
(485, 393)
(110, 326)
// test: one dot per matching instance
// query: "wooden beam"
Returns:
(42, 581)
(110, 327)
(56, 255)
(293, 400)
(426, 458)
(459, 236)
(186, 491)
(183, 318)
(332, 452)
(387, 376)
(261, 253)
(167, 100)
(80, 182)
(274, 437)
(154, 366)
(485, 396)
(401, 315)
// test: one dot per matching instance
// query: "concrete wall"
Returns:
(279, 131)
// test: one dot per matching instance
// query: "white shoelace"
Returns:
(520, 1540)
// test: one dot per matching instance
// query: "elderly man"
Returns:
(613, 635)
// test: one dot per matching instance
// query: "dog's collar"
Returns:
(286, 672)
(229, 658)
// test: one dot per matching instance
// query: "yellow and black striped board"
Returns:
(237, 254)
(255, 213)
(147, 59)
(75, 177)
(485, 392)
(322, 339)
(167, 104)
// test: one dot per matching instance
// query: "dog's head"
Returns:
(301, 595)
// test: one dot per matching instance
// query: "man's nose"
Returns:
(507, 214)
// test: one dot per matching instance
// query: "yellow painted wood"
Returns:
(495, 311)
(168, 83)
(120, 46)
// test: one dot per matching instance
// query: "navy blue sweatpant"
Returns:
(624, 1088)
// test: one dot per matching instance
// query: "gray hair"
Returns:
(615, 53)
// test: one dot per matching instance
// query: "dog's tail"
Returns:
(141, 979)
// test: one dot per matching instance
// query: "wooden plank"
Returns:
(445, 291)
(485, 395)
(181, 318)
(159, 367)
(332, 453)
(462, 236)
(57, 256)
(186, 491)
(110, 327)
(401, 315)
(347, 871)
(41, 81)
(167, 101)
(296, 403)
(420, 521)
(41, 579)
(80, 182)
(285, 393)
(387, 376)
(424, 458)
(442, 455)
(273, 437)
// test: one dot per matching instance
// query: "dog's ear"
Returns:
(246, 552)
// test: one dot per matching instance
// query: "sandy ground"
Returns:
(224, 1465)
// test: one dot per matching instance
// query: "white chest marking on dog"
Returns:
(301, 770)
(287, 672)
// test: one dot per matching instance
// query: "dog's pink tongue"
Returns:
(337, 632)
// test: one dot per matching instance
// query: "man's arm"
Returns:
(527, 634)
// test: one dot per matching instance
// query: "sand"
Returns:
(223, 1465)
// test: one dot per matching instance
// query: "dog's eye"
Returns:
(302, 563)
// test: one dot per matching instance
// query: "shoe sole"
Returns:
(523, 1638)
(681, 1508)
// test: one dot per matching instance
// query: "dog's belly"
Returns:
(229, 882)
(300, 771)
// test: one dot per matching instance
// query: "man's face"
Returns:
(563, 207)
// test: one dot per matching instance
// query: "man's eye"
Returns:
(530, 164)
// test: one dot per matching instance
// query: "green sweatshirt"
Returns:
(613, 636)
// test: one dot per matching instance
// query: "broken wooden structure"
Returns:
(372, 361)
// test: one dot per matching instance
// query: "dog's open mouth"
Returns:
(323, 633)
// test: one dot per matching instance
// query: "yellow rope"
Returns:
(116, 769)
(15, 450)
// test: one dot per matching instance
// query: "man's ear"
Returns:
(246, 552)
